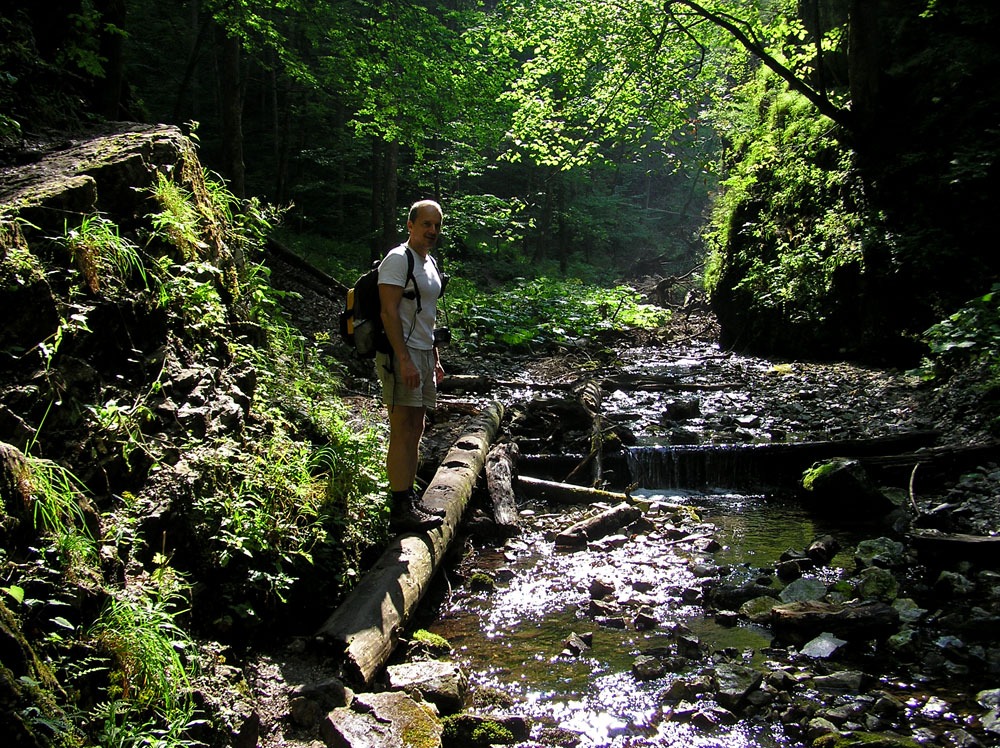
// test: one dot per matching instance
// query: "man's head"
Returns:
(424, 225)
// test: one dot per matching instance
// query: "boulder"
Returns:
(444, 684)
(382, 720)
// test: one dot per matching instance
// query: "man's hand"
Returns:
(410, 373)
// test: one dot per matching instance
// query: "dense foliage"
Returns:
(849, 151)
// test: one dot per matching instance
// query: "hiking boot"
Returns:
(416, 502)
(408, 515)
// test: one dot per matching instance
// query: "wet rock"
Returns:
(850, 681)
(383, 720)
(843, 486)
(681, 410)
(644, 620)
(444, 684)
(600, 588)
(960, 738)
(731, 597)
(734, 683)
(822, 550)
(952, 584)
(823, 646)
(909, 611)
(876, 583)
(729, 618)
(689, 646)
(843, 715)
(604, 608)
(788, 570)
(884, 552)
(646, 667)
(904, 641)
(700, 716)
(817, 727)
(576, 644)
(887, 706)
(854, 621)
(803, 589)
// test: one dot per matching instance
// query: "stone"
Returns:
(646, 667)
(823, 646)
(444, 684)
(882, 552)
(850, 681)
(382, 720)
(759, 609)
(734, 682)
(803, 589)
(876, 583)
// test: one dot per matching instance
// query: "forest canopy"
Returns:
(826, 165)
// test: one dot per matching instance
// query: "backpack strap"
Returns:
(415, 293)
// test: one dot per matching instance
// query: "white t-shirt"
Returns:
(418, 329)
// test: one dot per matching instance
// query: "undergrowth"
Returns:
(282, 510)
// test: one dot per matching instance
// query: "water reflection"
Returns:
(513, 640)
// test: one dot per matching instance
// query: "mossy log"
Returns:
(566, 493)
(365, 628)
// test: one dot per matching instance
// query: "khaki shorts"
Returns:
(395, 391)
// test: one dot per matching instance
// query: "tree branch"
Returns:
(745, 37)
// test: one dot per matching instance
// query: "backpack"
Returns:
(361, 321)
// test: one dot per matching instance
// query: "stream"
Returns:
(605, 645)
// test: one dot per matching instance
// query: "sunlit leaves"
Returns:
(545, 313)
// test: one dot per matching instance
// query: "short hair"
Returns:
(415, 208)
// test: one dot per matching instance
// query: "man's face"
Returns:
(425, 229)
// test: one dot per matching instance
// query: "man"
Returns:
(411, 373)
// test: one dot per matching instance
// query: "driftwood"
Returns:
(598, 526)
(464, 383)
(590, 399)
(934, 546)
(366, 626)
(801, 621)
(567, 493)
(500, 475)
(647, 383)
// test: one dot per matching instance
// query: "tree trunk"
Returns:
(366, 626)
(864, 67)
(231, 85)
(111, 88)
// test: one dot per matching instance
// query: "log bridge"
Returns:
(365, 628)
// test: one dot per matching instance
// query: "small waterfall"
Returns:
(735, 466)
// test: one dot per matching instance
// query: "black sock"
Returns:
(400, 498)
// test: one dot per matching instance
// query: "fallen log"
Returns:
(633, 383)
(567, 493)
(500, 472)
(598, 526)
(936, 547)
(365, 628)
(589, 396)
(799, 622)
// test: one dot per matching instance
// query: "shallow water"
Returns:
(512, 639)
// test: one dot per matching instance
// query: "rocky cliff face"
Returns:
(123, 287)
